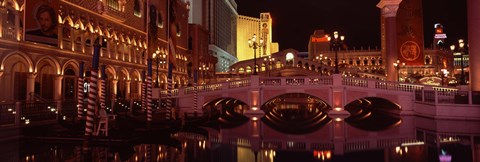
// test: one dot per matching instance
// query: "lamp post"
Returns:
(461, 49)
(444, 74)
(320, 61)
(159, 57)
(397, 67)
(269, 62)
(203, 68)
(252, 43)
(336, 44)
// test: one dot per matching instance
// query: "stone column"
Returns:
(57, 88)
(17, 25)
(127, 89)
(60, 35)
(114, 84)
(473, 14)
(30, 85)
(113, 94)
(72, 38)
(389, 10)
(3, 12)
(82, 38)
(109, 45)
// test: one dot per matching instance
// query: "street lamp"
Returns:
(159, 57)
(444, 74)
(461, 49)
(202, 69)
(397, 67)
(270, 62)
(336, 44)
(252, 43)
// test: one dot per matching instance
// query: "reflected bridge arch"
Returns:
(296, 113)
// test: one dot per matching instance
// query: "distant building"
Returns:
(262, 28)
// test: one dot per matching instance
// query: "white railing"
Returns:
(421, 93)
(271, 82)
(321, 81)
(356, 82)
(405, 87)
(239, 83)
(295, 81)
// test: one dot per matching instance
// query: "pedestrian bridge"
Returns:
(334, 90)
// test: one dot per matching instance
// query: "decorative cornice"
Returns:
(389, 8)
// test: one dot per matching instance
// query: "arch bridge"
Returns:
(336, 91)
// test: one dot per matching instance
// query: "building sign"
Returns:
(41, 21)
(410, 32)
(320, 39)
(410, 51)
(440, 36)
(86, 87)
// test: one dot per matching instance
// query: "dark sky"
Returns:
(359, 20)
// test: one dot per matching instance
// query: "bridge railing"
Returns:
(296, 81)
(239, 83)
(356, 82)
(436, 96)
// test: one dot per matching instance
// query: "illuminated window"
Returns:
(114, 4)
(249, 69)
(160, 20)
(137, 9)
(289, 56)
(179, 31)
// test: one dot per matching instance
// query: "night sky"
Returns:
(359, 20)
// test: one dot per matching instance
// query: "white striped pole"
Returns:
(102, 96)
(149, 98)
(195, 91)
(92, 101)
(93, 94)
(144, 103)
(80, 98)
(103, 88)
(169, 99)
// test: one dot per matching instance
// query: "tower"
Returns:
(439, 37)
(266, 33)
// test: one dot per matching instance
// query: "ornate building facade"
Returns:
(42, 69)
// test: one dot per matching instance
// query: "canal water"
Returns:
(409, 140)
(294, 128)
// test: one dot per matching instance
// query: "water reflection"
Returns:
(296, 113)
(414, 139)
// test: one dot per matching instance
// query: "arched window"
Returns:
(428, 60)
(137, 8)
(179, 30)
(160, 20)
(113, 4)
(249, 69)
(241, 70)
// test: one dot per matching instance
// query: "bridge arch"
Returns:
(378, 103)
(296, 113)
(216, 104)
(324, 98)
(305, 98)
